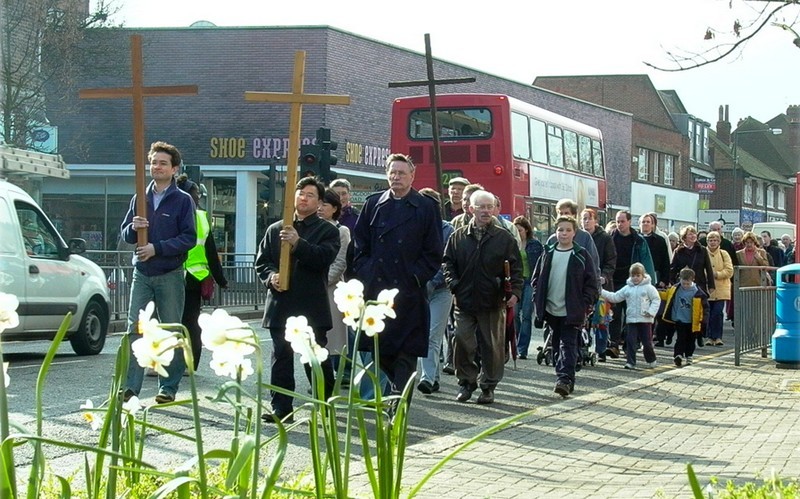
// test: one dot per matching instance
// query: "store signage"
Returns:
(266, 148)
(705, 186)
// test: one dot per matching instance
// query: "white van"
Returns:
(48, 277)
(776, 229)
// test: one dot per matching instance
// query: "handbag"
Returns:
(207, 288)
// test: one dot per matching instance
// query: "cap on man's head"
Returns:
(458, 180)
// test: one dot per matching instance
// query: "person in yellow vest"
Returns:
(202, 263)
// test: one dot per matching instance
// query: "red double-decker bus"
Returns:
(528, 156)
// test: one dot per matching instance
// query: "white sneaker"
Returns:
(688, 361)
(630, 366)
(678, 360)
(651, 365)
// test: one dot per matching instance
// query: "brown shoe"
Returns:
(718, 343)
(486, 396)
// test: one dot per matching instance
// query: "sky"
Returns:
(523, 39)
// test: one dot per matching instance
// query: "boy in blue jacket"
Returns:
(565, 289)
(687, 308)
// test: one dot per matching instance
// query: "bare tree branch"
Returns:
(696, 60)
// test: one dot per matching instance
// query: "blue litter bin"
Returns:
(786, 339)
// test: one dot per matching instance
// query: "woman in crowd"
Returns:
(693, 255)
(723, 271)
(674, 241)
(330, 209)
(752, 256)
(531, 249)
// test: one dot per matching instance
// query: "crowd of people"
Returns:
(466, 277)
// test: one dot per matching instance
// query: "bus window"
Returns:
(571, 150)
(419, 123)
(555, 146)
(466, 123)
(597, 158)
(538, 141)
(519, 136)
(585, 154)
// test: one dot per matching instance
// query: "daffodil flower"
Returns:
(349, 298)
(372, 322)
(231, 366)
(9, 318)
(155, 349)
(131, 407)
(297, 329)
(386, 301)
(221, 331)
(89, 416)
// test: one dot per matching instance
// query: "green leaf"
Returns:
(247, 448)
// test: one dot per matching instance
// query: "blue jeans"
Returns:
(716, 310)
(440, 302)
(565, 345)
(600, 340)
(522, 318)
(167, 291)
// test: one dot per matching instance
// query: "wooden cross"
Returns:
(137, 92)
(431, 83)
(296, 98)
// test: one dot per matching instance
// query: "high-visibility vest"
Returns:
(196, 262)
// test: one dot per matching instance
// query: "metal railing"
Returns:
(754, 311)
(244, 289)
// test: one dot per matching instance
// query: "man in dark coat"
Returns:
(315, 244)
(398, 244)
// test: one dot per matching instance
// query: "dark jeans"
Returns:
(615, 328)
(399, 368)
(191, 312)
(716, 319)
(685, 342)
(565, 343)
(282, 374)
(639, 332)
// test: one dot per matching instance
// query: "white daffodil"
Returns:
(9, 318)
(319, 352)
(89, 416)
(5, 374)
(223, 331)
(372, 322)
(230, 365)
(386, 300)
(297, 328)
(147, 322)
(155, 349)
(131, 407)
(349, 297)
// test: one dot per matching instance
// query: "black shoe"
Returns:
(435, 387)
(659, 344)
(127, 394)
(571, 387)
(285, 418)
(669, 341)
(613, 352)
(700, 342)
(448, 369)
(601, 357)
(425, 387)
(465, 393)
(486, 396)
(163, 398)
(523, 357)
(562, 389)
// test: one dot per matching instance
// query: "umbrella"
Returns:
(511, 333)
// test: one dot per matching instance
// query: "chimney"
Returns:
(793, 133)
(724, 126)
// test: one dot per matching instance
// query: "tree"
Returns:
(731, 40)
(40, 50)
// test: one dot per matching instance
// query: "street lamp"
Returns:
(736, 133)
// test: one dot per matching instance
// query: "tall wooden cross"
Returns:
(137, 92)
(431, 83)
(296, 98)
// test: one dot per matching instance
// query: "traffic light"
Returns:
(309, 160)
(194, 173)
(326, 160)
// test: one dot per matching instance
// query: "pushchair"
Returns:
(586, 354)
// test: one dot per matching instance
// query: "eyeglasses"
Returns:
(484, 207)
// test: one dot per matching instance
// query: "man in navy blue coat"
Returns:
(398, 244)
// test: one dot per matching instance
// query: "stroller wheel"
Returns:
(578, 365)
(593, 360)
(539, 358)
(547, 359)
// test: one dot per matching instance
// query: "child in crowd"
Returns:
(687, 308)
(642, 306)
(565, 289)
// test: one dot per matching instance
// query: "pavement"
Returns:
(633, 440)
(738, 423)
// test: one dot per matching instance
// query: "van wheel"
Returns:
(90, 337)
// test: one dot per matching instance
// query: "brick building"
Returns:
(233, 141)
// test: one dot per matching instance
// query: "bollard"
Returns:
(786, 339)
